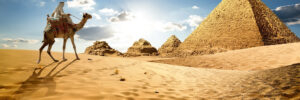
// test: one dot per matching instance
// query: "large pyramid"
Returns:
(236, 24)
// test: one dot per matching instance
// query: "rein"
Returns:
(75, 17)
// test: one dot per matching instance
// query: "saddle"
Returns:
(58, 25)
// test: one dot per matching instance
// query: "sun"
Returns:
(141, 24)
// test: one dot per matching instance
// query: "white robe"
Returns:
(58, 11)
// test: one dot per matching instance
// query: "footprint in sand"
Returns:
(170, 89)
(144, 87)
(130, 98)
(7, 87)
(164, 84)
(174, 98)
(134, 90)
(85, 71)
(129, 94)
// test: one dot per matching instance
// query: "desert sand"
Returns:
(95, 77)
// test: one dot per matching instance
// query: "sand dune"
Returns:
(96, 80)
(257, 58)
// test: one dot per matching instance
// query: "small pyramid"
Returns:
(141, 48)
(169, 46)
(101, 48)
(236, 24)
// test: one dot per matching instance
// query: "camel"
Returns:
(51, 33)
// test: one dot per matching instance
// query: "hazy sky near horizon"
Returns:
(119, 22)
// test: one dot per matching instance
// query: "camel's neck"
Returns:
(81, 24)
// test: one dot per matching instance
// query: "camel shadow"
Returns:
(35, 81)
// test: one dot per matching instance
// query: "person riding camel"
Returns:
(59, 20)
(58, 11)
(60, 25)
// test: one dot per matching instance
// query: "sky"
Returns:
(118, 22)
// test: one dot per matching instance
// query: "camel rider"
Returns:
(57, 14)
(58, 10)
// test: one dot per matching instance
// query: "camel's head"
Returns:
(86, 15)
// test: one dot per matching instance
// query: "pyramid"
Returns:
(141, 48)
(101, 48)
(236, 24)
(169, 46)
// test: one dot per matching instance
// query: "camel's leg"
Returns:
(41, 50)
(74, 47)
(64, 48)
(49, 51)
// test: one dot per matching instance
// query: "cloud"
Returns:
(95, 33)
(123, 16)
(289, 14)
(170, 26)
(98, 17)
(195, 7)
(194, 20)
(108, 11)
(20, 40)
(4, 46)
(294, 23)
(42, 3)
(84, 4)
(14, 46)
(8, 46)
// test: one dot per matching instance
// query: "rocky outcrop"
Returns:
(101, 48)
(141, 48)
(236, 24)
(169, 46)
